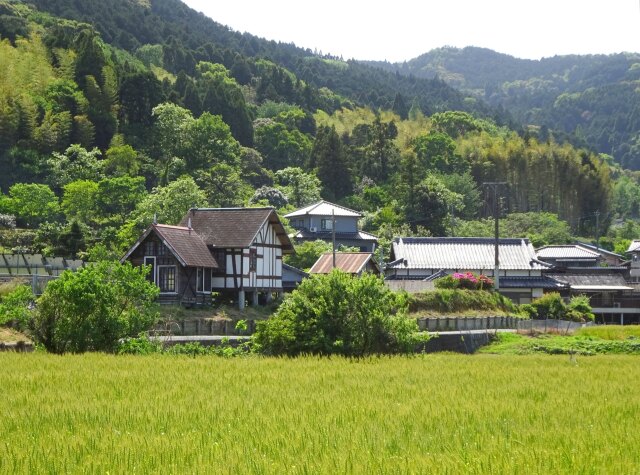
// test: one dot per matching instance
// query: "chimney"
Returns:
(189, 224)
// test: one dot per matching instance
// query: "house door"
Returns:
(151, 262)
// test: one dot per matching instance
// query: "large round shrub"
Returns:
(339, 314)
(94, 307)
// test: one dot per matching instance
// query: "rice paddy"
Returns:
(441, 413)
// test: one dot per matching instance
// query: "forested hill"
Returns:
(188, 37)
(592, 98)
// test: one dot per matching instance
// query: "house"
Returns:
(316, 221)
(608, 258)
(634, 270)
(424, 258)
(354, 263)
(292, 277)
(233, 251)
(569, 256)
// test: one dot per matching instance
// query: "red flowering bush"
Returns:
(465, 280)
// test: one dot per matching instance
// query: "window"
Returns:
(253, 260)
(200, 280)
(167, 278)
(326, 224)
(150, 248)
(162, 249)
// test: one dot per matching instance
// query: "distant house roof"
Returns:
(566, 252)
(592, 282)
(524, 282)
(349, 262)
(184, 243)
(323, 208)
(234, 227)
(327, 235)
(634, 246)
(599, 250)
(462, 253)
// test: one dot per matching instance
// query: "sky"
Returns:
(401, 30)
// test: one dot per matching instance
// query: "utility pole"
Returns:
(496, 217)
(597, 213)
(333, 235)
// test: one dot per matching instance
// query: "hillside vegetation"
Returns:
(105, 126)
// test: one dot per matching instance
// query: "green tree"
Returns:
(433, 203)
(93, 308)
(117, 197)
(300, 188)
(79, 200)
(76, 163)
(32, 204)
(307, 253)
(328, 157)
(437, 152)
(339, 314)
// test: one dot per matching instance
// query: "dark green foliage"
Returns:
(330, 160)
(94, 307)
(307, 253)
(339, 314)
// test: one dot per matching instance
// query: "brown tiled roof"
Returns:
(186, 245)
(350, 262)
(233, 227)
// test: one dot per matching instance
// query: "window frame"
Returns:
(159, 281)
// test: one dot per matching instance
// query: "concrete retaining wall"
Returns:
(452, 324)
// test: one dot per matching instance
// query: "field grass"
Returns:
(610, 332)
(426, 414)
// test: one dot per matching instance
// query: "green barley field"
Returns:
(426, 414)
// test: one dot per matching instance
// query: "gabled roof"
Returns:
(599, 250)
(184, 243)
(634, 246)
(349, 262)
(234, 227)
(569, 252)
(323, 208)
(463, 253)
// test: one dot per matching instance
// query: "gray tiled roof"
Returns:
(566, 252)
(542, 282)
(323, 208)
(463, 253)
(584, 279)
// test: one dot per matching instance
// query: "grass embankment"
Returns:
(425, 414)
(9, 335)
(585, 341)
(461, 303)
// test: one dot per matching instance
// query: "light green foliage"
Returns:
(79, 200)
(574, 345)
(339, 314)
(540, 228)
(94, 307)
(117, 197)
(461, 302)
(299, 187)
(150, 54)
(168, 203)
(121, 160)
(307, 253)
(76, 163)
(552, 306)
(32, 204)
(610, 332)
(457, 413)
(436, 152)
(280, 145)
(455, 123)
(14, 306)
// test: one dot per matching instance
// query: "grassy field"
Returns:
(602, 339)
(426, 414)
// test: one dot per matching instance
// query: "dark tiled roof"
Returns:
(186, 245)
(349, 262)
(327, 235)
(525, 282)
(595, 280)
(234, 227)
(463, 253)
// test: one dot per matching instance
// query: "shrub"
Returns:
(466, 280)
(339, 314)
(93, 308)
(550, 306)
(460, 300)
(15, 306)
(579, 309)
